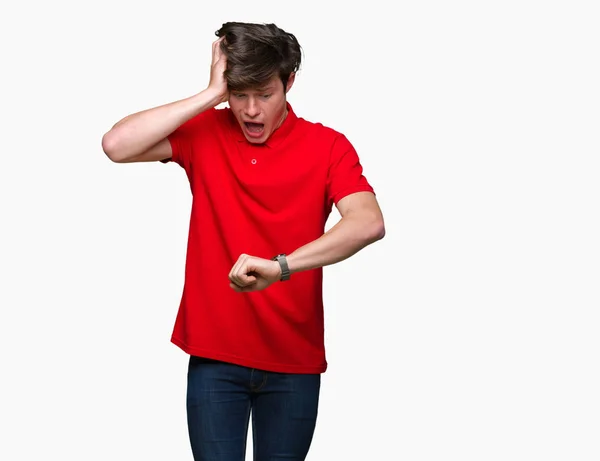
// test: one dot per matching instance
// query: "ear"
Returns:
(290, 82)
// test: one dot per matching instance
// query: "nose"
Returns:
(252, 110)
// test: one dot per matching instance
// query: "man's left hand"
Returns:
(251, 273)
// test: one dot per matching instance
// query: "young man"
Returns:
(263, 182)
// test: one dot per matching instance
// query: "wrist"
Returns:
(284, 271)
(279, 270)
(204, 100)
(214, 97)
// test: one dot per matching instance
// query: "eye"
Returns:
(239, 95)
(266, 96)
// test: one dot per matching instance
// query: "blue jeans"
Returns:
(222, 396)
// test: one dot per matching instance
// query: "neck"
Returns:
(285, 112)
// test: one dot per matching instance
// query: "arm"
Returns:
(361, 224)
(136, 134)
(142, 136)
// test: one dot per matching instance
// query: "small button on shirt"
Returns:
(259, 200)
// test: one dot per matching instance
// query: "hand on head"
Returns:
(218, 83)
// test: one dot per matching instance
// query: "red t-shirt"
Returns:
(261, 200)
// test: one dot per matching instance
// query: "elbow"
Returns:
(375, 231)
(110, 146)
(380, 230)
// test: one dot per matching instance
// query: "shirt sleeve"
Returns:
(345, 174)
(182, 140)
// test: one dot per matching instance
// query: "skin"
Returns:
(360, 225)
(141, 137)
(266, 105)
(218, 84)
(361, 220)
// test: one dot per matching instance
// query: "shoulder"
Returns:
(330, 139)
(321, 134)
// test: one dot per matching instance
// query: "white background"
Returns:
(469, 333)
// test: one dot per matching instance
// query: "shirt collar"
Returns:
(276, 138)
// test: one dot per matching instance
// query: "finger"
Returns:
(240, 289)
(216, 49)
(246, 273)
(235, 270)
(235, 266)
(241, 276)
(247, 280)
(215, 45)
(217, 53)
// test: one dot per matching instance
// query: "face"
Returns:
(260, 111)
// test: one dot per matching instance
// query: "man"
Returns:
(263, 182)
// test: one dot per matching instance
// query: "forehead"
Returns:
(270, 85)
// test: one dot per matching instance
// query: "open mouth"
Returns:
(254, 129)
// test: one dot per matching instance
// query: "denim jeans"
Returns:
(221, 397)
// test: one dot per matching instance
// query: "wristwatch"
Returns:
(285, 270)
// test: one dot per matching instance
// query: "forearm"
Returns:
(138, 132)
(347, 237)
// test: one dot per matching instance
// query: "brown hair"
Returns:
(257, 52)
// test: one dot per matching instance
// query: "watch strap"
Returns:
(285, 270)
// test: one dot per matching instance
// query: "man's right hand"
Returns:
(142, 137)
(218, 83)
